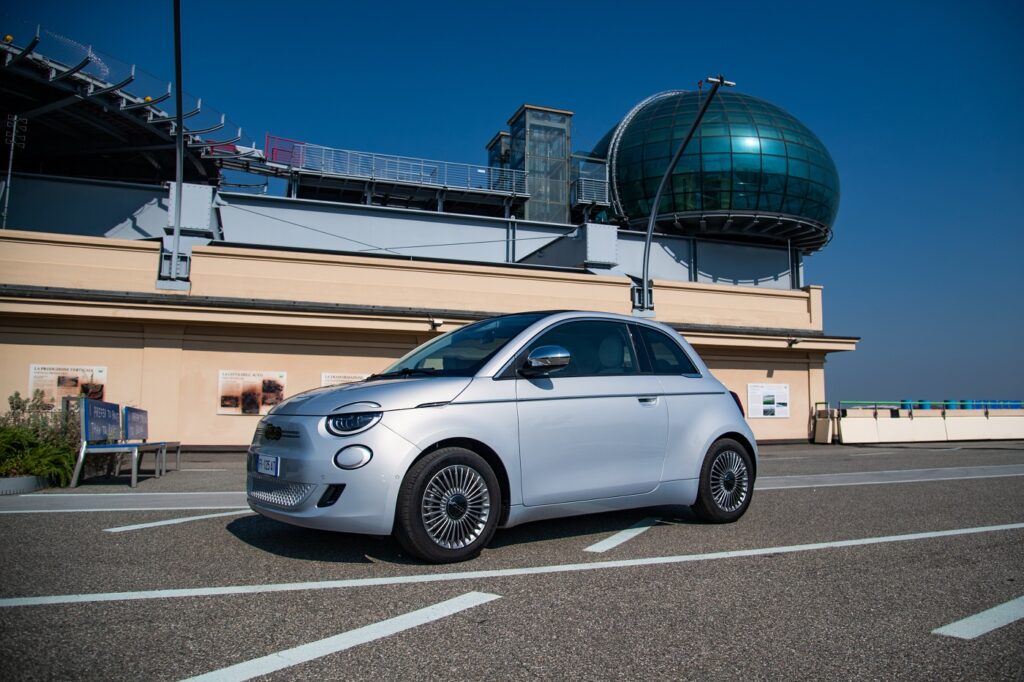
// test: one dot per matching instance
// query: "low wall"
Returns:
(921, 426)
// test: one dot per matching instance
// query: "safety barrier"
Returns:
(907, 421)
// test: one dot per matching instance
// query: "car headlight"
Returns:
(353, 422)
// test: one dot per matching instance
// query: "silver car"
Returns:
(512, 419)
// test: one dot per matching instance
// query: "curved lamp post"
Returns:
(646, 305)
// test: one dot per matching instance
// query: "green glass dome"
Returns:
(752, 171)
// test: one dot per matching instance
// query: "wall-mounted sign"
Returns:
(249, 392)
(335, 378)
(67, 381)
(768, 400)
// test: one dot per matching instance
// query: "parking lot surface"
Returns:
(852, 562)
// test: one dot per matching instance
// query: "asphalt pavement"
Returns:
(852, 563)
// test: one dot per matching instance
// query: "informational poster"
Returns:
(768, 401)
(335, 378)
(249, 392)
(60, 381)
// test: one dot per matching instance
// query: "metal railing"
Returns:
(590, 191)
(386, 167)
(911, 405)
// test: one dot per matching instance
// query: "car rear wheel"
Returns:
(448, 506)
(726, 482)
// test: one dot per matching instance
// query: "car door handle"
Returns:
(649, 400)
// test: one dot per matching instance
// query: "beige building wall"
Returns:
(81, 301)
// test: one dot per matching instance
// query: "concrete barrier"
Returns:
(922, 426)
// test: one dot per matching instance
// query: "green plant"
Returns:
(37, 441)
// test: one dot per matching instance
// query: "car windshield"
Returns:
(462, 352)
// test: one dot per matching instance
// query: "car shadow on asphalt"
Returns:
(589, 525)
(294, 542)
(307, 544)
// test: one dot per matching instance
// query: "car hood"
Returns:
(390, 394)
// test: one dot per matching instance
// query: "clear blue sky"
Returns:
(921, 105)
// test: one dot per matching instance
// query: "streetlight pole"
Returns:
(179, 142)
(645, 297)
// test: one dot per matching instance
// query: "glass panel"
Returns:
(746, 162)
(716, 162)
(665, 354)
(713, 145)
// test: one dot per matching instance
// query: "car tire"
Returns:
(448, 506)
(726, 482)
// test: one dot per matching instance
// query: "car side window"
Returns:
(665, 354)
(598, 348)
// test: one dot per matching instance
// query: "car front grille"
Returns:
(278, 493)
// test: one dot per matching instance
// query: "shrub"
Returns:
(36, 441)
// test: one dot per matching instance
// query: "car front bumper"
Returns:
(307, 477)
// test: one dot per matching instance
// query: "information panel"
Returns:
(67, 381)
(768, 401)
(249, 391)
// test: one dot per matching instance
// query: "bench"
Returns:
(102, 433)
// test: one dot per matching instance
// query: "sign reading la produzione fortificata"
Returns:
(768, 401)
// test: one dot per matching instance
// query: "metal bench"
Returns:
(102, 434)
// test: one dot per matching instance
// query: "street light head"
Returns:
(720, 79)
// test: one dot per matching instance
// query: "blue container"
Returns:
(1015, 404)
(968, 404)
(952, 405)
(924, 405)
(906, 404)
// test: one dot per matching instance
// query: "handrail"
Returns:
(909, 404)
(386, 167)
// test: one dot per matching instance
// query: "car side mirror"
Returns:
(545, 360)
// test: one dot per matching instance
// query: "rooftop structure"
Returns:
(753, 171)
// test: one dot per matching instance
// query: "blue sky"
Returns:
(920, 104)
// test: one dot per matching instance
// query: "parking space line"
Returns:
(203, 469)
(218, 492)
(985, 622)
(115, 509)
(171, 522)
(888, 476)
(489, 573)
(346, 640)
(623, 535)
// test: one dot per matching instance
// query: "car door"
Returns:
(596, 428)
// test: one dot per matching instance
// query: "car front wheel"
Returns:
(448, 506)
(726, 482)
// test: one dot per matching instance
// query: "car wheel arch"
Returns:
(492, 459)
(745, 442)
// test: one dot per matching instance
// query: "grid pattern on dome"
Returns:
(748, 156)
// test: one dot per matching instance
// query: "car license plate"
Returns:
(268, 465)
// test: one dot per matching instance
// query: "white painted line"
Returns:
(202, 469)
(171, 522)
(985, 622)
(346, 640)
(216, 492)
(623, 535)
(887, 477)
(115, 509)
(493, 573)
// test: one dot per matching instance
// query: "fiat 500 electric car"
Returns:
(512, 419)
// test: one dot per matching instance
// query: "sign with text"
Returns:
(335, 378)
(67, 381)
(768, 401)
(100, 421)
(248, 391)
(136, 424)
